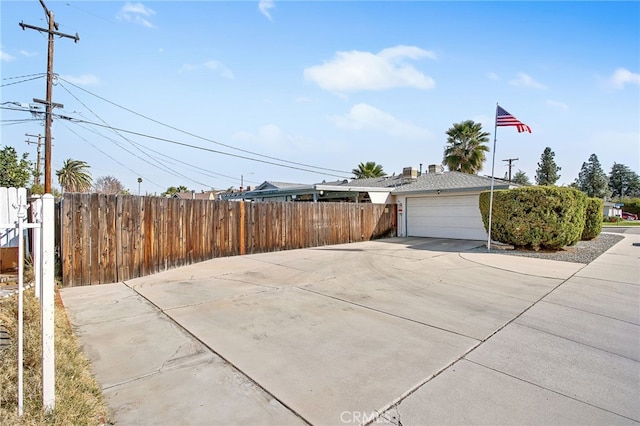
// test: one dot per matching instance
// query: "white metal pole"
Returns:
(21, 215)
(36, 252)
(493, 163)
(47, 303)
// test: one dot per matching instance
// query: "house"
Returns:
(443, 205)
(433, 204)
(355, 191)
(193, 195)
(612, 209)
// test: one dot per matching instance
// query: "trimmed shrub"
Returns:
(593, 214)
(536, 217)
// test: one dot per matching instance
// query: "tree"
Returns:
(592, 180)
(368, 170)
(109, 185)
(623, 181)
(74, 176)
(465, 151)
(173, 190)
(14, 171)
(547, 173)
(521, 178)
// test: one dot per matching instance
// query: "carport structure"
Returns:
(341, 334)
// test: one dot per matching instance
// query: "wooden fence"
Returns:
(108, 238)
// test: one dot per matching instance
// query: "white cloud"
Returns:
(220, 68)
(28, 54)
(264, 6)
(493, 76)
(272, 138)
(136, 13)
(355, 70)
(365, 117)
(4, 56)
(623, 76)
(525, 80)
(557, 104)
(211, 65)
(82, 80)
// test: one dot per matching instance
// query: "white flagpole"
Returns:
(493, 162)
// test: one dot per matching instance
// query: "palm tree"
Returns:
(368, 170)
(74, 176)
(466, 147)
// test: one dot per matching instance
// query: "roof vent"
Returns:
(436, 168)
(409, 173)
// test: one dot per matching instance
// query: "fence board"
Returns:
(108, 238)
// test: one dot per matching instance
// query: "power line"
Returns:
(42, 74)
(201, 170)
(203, 138)
(21, 81)
(200, 147)
(98, 149)
(159, 164)
(159, 167)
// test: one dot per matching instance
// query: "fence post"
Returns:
(36, 251)
(47, 303)
(22, 214)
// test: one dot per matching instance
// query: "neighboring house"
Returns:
(612, 209)
(346, 191)
(193, 195)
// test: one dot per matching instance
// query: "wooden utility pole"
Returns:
(36, 177)
(52, 30)
(510, 160)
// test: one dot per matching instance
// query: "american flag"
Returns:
(503, 118)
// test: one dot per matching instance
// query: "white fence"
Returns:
(10, 197)
(13, 224)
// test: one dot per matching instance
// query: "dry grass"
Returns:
(79, 398)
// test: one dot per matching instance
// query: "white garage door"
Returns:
(442, 216)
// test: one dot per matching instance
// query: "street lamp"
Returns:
(139, 182)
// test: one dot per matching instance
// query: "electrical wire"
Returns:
(98, 149)
(201, 148)
(163, 169)
(158, 164)
(21, 81)
(203, 138)
(41, 74)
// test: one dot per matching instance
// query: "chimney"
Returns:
(436, 168)
(409, 173)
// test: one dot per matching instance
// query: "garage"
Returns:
(445, 216)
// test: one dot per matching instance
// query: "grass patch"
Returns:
(623, 223)
(79, 399)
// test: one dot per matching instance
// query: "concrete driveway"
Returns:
(405, 331)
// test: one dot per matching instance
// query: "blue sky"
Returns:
(322, 85)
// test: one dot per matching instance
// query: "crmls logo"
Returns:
(364, 417)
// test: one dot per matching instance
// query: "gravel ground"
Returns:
(583, 252)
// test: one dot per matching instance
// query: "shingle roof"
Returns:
(448, 181)
(282, 185)
(445, 181)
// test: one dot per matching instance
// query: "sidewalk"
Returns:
(420, 329)
(573, 358)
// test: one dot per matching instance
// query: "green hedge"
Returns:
(536, 217)
(594, 212)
